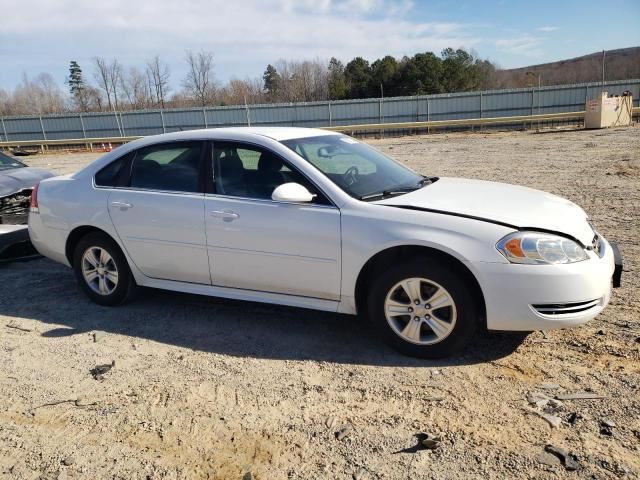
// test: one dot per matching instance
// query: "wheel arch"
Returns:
(397, 253)
(77, 234)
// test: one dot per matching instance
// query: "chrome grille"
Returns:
(557, 309)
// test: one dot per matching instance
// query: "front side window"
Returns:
(248, 171)
(359, 170)
(169, 167)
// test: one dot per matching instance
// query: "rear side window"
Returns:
(110, 176)
(169, 167)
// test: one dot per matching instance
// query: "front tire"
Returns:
(102, 270)
(423, 308)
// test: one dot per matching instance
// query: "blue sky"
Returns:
(245, 35)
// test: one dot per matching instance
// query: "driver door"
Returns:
(255, 243)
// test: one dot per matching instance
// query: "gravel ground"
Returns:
(210, 388)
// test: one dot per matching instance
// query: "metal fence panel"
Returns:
(466, 105)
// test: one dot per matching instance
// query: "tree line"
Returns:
(113, 86)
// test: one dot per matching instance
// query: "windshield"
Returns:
(358, 169)
(6, 162)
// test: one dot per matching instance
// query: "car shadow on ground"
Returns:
(47, 292)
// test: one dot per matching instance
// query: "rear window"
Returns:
(109, 175)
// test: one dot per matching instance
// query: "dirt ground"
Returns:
(210, 388)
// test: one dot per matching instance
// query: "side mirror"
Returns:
(291, 193)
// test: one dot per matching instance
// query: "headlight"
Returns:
(540, 249)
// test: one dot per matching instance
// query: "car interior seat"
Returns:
(269, 174)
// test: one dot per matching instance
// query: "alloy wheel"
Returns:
(99, 270)
(420, 311)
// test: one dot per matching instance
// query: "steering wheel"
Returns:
(351, 175)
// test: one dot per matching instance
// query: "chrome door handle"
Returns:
(224, 215)
(121, 205)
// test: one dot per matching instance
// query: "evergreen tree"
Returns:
(383, 74)
(77, 87)
(337, 81)
(358, 76)
(272, 82)
(459, 73)
(420, 75)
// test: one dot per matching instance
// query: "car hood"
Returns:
(16, 179)
(516, 206)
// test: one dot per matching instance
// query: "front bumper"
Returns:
(544, 297)
(14, 243)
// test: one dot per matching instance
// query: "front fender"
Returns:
(369, 231)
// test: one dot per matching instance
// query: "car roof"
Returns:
(223, 134)
(275, 133)
(279, 133)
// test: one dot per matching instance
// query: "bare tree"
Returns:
(135, 88)
(94, 98)
(158, 76)
(101, 74)
(40, 95)
(237, 91)
(304, 81)
(115, 75)
(109, 78)
(200, 81)
(5, 102)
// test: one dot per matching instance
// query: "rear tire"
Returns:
(102, 271)
(423, 308)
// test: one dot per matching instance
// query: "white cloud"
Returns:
(282, 25)
(243, 35)
(547, 28)
(525, 45)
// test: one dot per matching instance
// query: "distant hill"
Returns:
(620, 64)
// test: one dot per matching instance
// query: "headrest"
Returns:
(269, 163)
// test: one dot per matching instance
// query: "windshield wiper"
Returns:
(392, 192)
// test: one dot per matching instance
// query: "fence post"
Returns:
(4, 129)
(481, 110)
(246, 108)
(44, 135)
(329, 107)
(84, 133)
(417, 108)
(531, 114)
(204, 116)
(164, 129)
(123, 133)
(428, 116)
(115, 115)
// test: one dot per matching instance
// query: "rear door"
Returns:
(159, 214)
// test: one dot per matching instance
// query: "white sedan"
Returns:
(316, 219)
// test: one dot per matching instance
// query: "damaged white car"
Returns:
(316, 219)
(16, 182)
